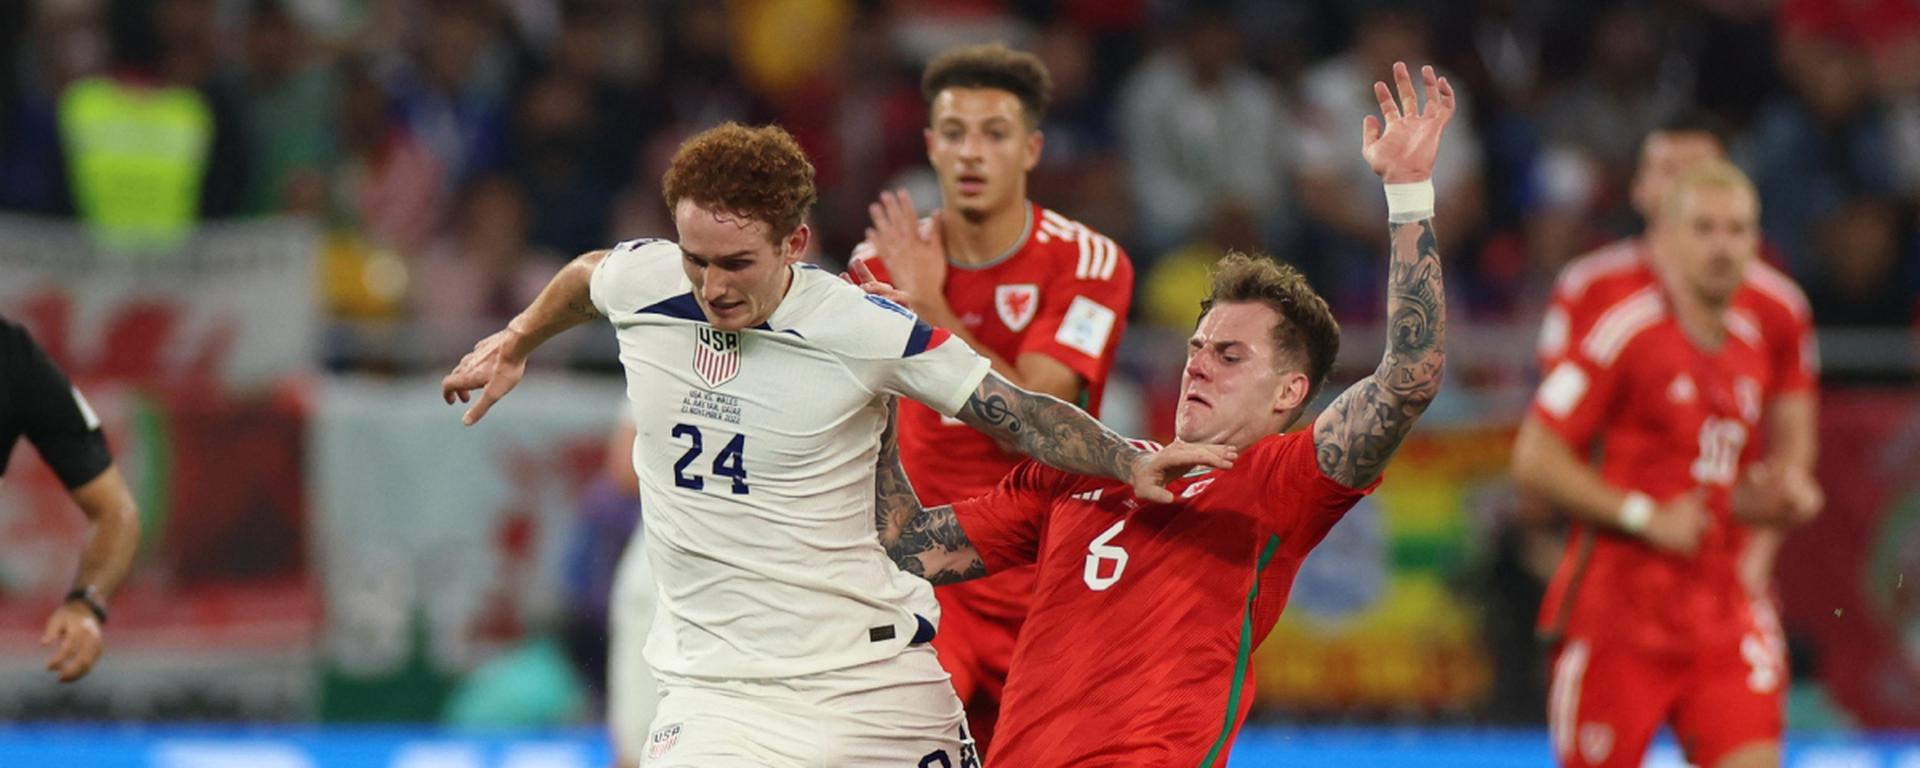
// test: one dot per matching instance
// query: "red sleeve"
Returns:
(1575, 396)
(1083, 311)
(1307, 503)
(1006, 524)
(1794, 350)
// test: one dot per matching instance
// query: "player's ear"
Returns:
(1036, 141)
(1291, 394)
(927, 134)
(794, 247)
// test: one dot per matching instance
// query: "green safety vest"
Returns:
(135, 157)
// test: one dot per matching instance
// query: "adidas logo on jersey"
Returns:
(1088, 496)
(1195, 489)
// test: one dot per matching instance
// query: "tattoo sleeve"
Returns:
(1356, 435)
(928, 543)
(1048, 429)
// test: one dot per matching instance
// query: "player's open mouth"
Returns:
(1194, 398)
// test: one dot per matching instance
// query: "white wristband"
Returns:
(1635, 512)
(1408, 203)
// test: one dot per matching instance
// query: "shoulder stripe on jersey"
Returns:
(923, 338)
(1113, 256)
(1777, 286)
(1086, 260)
(1053, 217)
(1741, 324)
(683, 306)
(1620, 324)
(1241, 658)
(1584, 270)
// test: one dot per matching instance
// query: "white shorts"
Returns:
(632, 695)
(893, 713)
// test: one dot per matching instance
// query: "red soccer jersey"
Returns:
(1768, 300)
(1062, 292)
(1668, 418)
(1137, 648)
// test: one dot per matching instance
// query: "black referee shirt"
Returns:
(39, 403)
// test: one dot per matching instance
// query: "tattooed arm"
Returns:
(1356, 436)
(1049, 430)
(928, 543)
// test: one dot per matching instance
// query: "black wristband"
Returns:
(90, 597)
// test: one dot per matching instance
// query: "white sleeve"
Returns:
(635, 274)
(891, 350)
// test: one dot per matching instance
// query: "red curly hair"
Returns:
(756, 173)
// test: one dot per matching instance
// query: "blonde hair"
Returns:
(1712, 174)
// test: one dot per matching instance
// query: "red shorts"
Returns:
(1606, 702)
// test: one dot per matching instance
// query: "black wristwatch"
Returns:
(90, 597)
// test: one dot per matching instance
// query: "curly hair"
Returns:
(1307, 335)
(992, 66)
(756, 173)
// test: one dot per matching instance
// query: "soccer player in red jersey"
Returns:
(1137, 648)
(1778, 492)
(1042, 296)
(1654, 619)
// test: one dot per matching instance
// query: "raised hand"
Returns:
(488, 368)
(1402, 143)
(1152, 472)
(916, 257)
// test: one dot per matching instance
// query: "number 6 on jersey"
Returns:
(1099, 551)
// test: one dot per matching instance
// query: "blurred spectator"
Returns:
(451, 95)
(568, 182)
(287, 102)
(1627, 88)
(190, 56)
(388, 184)
(482, 272)
(1866, 277)
(1181, 278)
(137, 146)
(859, 120)
(1815, 148)
(1202, 131)
(43, 48)
(1341, 194)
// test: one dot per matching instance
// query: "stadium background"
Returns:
(385, 181)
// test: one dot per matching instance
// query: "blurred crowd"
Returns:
(458, 151)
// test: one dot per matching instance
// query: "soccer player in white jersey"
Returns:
(784, 633)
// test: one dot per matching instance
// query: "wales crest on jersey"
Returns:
(716, 355)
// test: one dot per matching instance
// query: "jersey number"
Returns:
(1098, 552)
(728, 464)
(1721, 441)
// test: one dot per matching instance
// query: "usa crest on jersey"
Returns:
(716, 355)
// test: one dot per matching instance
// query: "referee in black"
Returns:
(39, 403)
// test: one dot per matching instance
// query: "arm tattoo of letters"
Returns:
(1359, 433)
(1048, 429)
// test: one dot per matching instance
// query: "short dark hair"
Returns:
(995, 66)
(1693, 120)
(1307, 333)
(759, 173)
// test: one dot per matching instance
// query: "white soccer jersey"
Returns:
(756, 455)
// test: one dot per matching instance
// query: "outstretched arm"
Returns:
(1356, 436)
(497, 362)
(1066, 438)
(928, 543)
